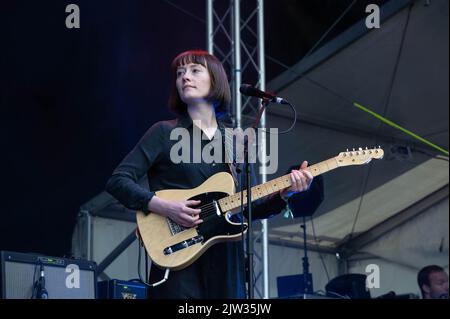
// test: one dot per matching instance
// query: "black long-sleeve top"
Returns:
(218, 273)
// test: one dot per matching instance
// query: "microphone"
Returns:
(249, 90)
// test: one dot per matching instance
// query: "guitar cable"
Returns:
(166, 274)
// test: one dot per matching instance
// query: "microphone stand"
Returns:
(307, 284)
(249, 212)
(250, 282)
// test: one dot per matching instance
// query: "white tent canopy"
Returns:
(394, 211)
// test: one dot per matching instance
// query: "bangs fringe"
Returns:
(196, 57)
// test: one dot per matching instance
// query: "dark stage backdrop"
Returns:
(75, 101)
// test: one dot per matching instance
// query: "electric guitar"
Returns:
(175, 247)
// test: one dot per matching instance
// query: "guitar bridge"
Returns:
(174, 227)
(182, 245)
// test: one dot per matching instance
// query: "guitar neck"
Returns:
(234, 201)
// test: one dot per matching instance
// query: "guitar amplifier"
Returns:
(119, 289)
(64, 278)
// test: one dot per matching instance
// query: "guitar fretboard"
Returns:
(234, 201)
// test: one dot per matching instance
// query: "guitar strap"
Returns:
(230, 157)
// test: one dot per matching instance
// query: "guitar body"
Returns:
(172, 246)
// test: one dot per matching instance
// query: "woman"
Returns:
(200, 96)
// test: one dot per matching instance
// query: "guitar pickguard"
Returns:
(213, 224)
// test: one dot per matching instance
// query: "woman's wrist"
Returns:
(156, 205)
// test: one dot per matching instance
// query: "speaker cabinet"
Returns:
(64, 278)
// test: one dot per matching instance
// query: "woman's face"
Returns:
(193, 83)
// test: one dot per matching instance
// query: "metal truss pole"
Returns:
(235, 34)
(262, 84)
(209, 26)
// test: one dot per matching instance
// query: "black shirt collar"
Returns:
(184, 120)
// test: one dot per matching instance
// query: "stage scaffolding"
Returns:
(235, 34)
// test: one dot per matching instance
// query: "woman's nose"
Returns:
(186, 76)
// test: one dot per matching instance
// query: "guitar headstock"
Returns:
(359, 156)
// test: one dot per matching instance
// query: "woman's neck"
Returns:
(203, 113)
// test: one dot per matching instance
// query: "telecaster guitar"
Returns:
(172, 246)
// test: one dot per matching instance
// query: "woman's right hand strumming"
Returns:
(180, 212)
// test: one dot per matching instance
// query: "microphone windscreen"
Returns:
(246, 89)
